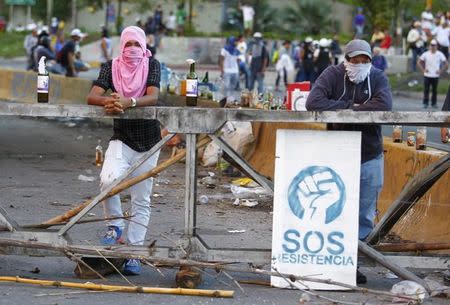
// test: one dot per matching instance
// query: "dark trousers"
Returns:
(427, 82)
(277, 81)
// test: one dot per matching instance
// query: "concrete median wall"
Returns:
(16, 85)
(426, 222)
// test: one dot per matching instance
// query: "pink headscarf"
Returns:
(130, 68)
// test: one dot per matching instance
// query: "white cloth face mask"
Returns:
(357, 73)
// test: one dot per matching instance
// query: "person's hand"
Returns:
(113, 105)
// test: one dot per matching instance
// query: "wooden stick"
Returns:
(410, 247)
(118, 288)
(184, 262)
(126, 184)
(45, 226)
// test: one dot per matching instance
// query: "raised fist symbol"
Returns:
(318, 193)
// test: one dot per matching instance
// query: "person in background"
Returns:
(427, 21)
(43, 49)
(359, 22)
(377, 38)
(171, 24)
(432, 63)
(66, 56)
(416, 40)
(355, 85)
(105, 47)
(181, 19)
(378, 59)
(322, 57)
(335, 48)
(54, 26)
(229, 65)
(158, 18)
(284, 64)
(443, 37)
(133, 77)
(29, 44)
(386, 42)
(307, 61)
(243, 62)
(139, 23)
(248, 13)
(259, 62)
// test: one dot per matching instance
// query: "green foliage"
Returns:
(267, 20)
(308, 17)
(61, 9)
(11, 44)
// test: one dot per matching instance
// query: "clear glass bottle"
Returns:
(98, 154)
(43, 81)
(421, 138)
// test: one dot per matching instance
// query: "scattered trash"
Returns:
(88, 171)
(390, 275)
(409, 288)
(304, 298)
(244, 192)
(249, 203)
(162, 181)
(79, 138)
(36, 270)
(209, 182)
(211, 174)
(90, 214)
(437, 289)
(413, 83)
(86, 178)
(236, 231)
(71, 124)
(156, 195)
(203, 199)
(59, 204)
(11, 206)
(248, 182)
(237, 202)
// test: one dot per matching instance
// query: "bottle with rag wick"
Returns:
(43, 81)
(98, 154)
(191, 85)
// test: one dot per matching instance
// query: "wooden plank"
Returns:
(410, 195)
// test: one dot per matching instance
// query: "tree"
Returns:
(307, 17)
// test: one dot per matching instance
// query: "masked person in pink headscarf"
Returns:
(133, 77)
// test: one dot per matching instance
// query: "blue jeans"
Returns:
(231, 82)
(259, 77)
(371, 183)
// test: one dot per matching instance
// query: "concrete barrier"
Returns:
(427, 221)
(16, 85)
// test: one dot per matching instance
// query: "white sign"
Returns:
(316, 206)
(299, 100)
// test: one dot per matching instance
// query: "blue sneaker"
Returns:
(132, 267)
(112, 236)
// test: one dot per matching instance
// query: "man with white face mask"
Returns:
(355, 84)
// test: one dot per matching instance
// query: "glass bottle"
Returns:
(98, 154)
(191, 85)
(43, 81)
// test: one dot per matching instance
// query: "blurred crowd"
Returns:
(62, 56)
